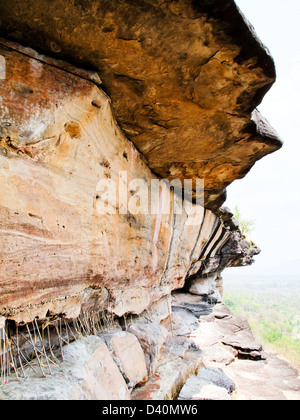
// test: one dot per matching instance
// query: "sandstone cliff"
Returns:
(94, 90)
(184, 87)
(184, 77)
(58, 253)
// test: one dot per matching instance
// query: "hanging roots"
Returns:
(39, 345)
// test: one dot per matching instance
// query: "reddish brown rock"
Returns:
(58, 253)
(183, 88)
(184, 77)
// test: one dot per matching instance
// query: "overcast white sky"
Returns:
(270, 193)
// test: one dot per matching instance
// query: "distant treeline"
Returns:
(272, 308)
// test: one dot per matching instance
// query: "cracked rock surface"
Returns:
(184, 76)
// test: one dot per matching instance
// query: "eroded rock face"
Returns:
(59, 254)
(184, 76)
(89, 373)
(183, 89)
(205, 363)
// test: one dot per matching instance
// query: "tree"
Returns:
(247, 226)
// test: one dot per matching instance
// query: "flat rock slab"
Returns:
(230, 330)
(219, 354)
(227, 342)
(198, 310)
(197, 305)
(245, 344)
(209, 384)
(273, 379)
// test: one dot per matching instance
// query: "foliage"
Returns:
(273, 312)
(247, 226)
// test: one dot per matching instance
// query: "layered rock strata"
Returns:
(172, 94)
(59, 253)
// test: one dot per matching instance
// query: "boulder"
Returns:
(151, 337)
(128, 355)
(192, 392)
(173, 371)
(183, 321)
(216, 377)
(90, 363)
(158, 311)
(88, 373)
(178, 345)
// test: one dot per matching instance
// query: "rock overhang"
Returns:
(184, 76)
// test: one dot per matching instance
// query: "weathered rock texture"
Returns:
(210, 383)
(59, 255)
(184, 77)
(196, 359)
(180, 82)
(227, 343)
(89, 373)
(124, 346)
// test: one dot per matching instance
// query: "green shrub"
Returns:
(247, 226)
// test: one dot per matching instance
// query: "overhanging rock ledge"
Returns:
(184, 77)
(162, 89)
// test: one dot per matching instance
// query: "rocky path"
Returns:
(227, 361)
(232, 356)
